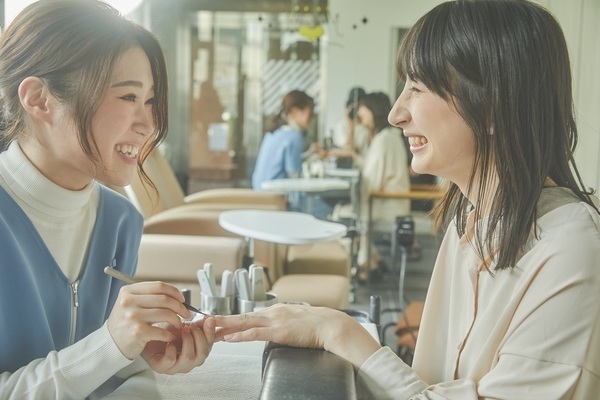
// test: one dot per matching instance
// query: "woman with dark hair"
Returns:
(384, 169)
(513, 306)
(350, 136)
(280, 153)
(83, 99)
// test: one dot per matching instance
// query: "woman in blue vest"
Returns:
(83, 98)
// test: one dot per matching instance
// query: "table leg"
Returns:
(369, 239)
(309, 203)
(249, 256)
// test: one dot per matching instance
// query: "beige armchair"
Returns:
(176, 258)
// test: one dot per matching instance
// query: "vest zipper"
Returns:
(75, 304)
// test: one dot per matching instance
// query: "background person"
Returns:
(350, 137)
(281, 152)
(512, 310)
(83, 98)
(385, 169)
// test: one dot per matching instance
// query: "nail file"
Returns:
(227, 283)
(210, 272)
(258, 284)
(243, 284)
(204, 282)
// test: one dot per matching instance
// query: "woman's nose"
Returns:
(398, 115)
(145, 121)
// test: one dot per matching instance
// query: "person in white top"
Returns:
(351, 137)
(385, 169)
(83, 99)
(512, 311)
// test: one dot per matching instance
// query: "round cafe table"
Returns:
(309, 186)
(283, 227)
(279, 227)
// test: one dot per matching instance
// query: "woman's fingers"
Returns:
(192, 348)
(187, 352)
(293, 325)
(244, 321)
(155, 295)
(208, 327)
(141, 306)
(155, 287)
(251, 334)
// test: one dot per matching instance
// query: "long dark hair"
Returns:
(505, 66)
(73, 45)
(379, 104)
(293, 99)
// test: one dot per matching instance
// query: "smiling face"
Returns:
(123, 122)
(440, 140)
(121, 125)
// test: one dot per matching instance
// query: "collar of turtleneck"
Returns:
(35, 193)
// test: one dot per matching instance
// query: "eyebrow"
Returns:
(127, 83)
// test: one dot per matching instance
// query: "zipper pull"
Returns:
(74, 286)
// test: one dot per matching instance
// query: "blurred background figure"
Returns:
(384, 169)
(350, 136)
(280, 153)
(210, 109)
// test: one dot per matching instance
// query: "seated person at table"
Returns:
(83, 97)
(280, 153)
(385, 169)
(513, 307)
(350, 136)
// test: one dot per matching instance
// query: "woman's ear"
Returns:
(35, 98)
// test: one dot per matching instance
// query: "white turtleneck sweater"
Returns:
(63, 218)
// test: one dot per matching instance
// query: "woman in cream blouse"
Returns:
(512, 311)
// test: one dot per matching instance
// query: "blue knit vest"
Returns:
(37, 299)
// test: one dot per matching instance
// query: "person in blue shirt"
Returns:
(83, 99)
(280, 153)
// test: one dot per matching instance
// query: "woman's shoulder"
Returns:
(565, 221)
(558, 205)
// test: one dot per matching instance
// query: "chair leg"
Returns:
(353, 233)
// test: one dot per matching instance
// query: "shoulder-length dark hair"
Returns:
(73, 46)
(293, 99)
(380, 106)
(505, 66)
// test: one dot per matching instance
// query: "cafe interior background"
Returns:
(251, 52)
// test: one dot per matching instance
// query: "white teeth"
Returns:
(417, 141)
(127, 150)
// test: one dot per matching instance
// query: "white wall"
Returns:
(365, 56)
(580, 22)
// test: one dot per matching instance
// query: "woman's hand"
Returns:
(133, 322)
(292, 325)
(192, 345)
(301, 326)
